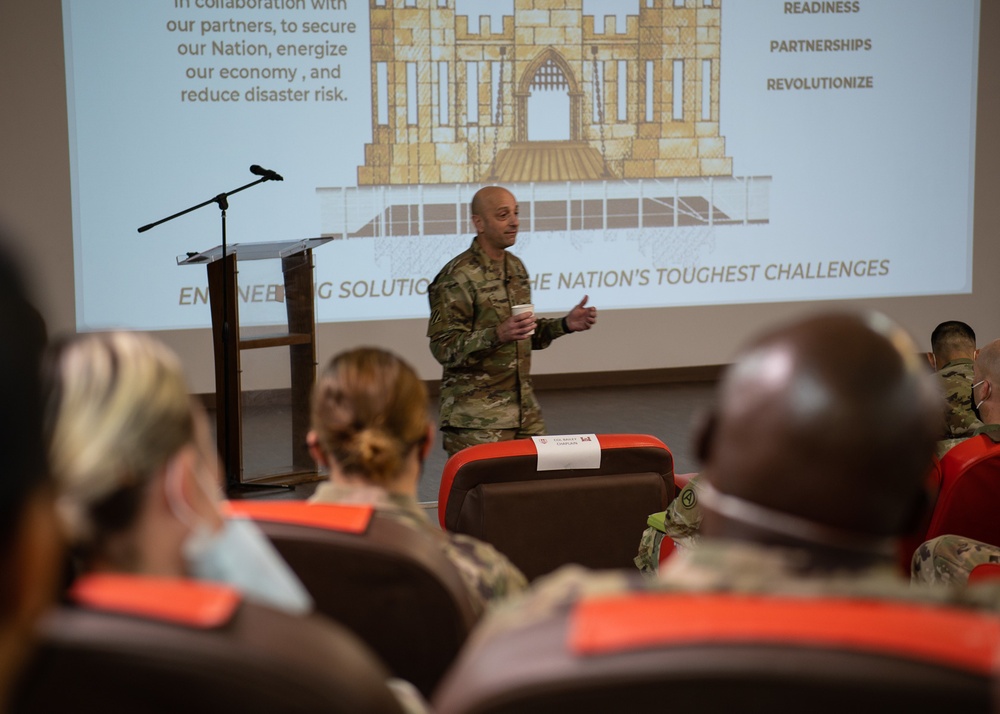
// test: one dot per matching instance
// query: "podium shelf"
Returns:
(282, 339)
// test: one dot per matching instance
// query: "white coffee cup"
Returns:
(521, 309)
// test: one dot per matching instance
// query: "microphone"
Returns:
(266, 173)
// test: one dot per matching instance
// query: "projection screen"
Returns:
(663, 152)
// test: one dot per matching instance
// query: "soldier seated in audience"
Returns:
(814, 463)
(371, 431)
(949, 559)
(953, 345)
(138, 478)
(961, 377)
(983, 401)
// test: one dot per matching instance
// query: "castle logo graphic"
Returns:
(607, 121)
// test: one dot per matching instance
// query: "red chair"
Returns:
(389, 584)
(969, 500)
(730, 653)
(138, 644)
(544, 519)
(985, 573)
(909, 542)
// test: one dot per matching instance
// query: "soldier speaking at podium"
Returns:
(483, 346)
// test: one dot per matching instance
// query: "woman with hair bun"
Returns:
(371, 431)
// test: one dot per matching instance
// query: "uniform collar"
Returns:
(954, 362)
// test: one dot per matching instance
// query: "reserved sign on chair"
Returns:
(568, 451)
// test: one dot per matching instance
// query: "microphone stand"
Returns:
(232, 479)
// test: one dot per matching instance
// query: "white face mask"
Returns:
(239, 554)
(739, 509)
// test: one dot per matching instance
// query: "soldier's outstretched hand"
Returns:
(581, 317)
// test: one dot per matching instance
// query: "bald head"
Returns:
(832, 419)
(484, 198)
(987, 371)
(988, 362)
(495, 215)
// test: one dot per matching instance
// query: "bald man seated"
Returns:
(814, 460)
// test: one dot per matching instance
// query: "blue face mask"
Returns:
(241, 555)
(238, 554)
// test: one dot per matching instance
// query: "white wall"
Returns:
(35, 207)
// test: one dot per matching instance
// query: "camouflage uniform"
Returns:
(948, 560)
(945, 445)
(487, 573)
(957, 379)
(486, 384)
(681, 522)
(725, 566)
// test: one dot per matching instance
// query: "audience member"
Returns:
(680, 523)
(949, 559)
(985, 402)
(953, 346)
(138, 475)
(982, 403)
(30, 544)
(139, 481)
(814, 462)
(954, 351)
(371, 431)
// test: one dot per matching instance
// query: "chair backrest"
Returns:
(908, 543)
(544, 519)
(969, 501)
(729, 653)
(137, 644)
(387, 582)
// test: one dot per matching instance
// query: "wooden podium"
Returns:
(300, 338)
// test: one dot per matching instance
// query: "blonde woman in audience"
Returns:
(138, 476)
(372, 432)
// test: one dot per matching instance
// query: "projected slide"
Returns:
(663, 152)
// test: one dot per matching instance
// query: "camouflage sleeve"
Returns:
(548, 594)
(486, 571)
(648, 558)
(683, 518)
(546, 330)
(948, 560)
(454, 341)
